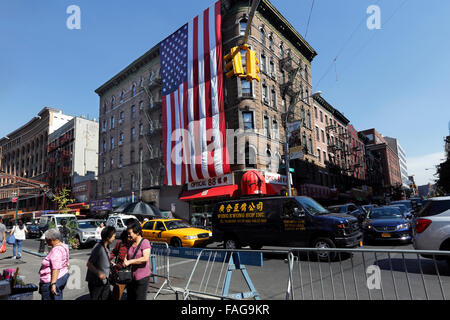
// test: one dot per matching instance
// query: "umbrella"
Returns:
(142, 209)
(122, 207)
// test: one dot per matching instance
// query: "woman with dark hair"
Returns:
(139, 259)
(19, 232)
(117, 257)
(98, 266)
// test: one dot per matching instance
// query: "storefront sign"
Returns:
(212, 182)
(100, 205)
(275, 178)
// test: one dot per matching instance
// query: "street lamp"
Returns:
(286, 142)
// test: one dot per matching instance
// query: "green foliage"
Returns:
(443, 174)
(63, 199)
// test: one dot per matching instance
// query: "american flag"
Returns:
(194, 133)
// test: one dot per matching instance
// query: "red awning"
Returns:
(205, 194)
(275, 189)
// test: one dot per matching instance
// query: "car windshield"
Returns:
(171, 225)
(334, 209)
(68, 219)
(88, 224)
(402, 208)
(407, 204)
(312, 206)
(385, 213)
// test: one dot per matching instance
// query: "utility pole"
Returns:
(140, 174)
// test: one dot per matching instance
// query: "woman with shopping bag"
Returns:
(18, 235)
(2, 237)
(54, 271)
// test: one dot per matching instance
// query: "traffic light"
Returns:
(252, 66)
(234, 66)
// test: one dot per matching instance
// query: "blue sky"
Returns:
(394, 79)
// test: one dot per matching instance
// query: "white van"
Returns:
(56, 218)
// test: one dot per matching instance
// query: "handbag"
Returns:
(11, 240)
(125, 275)
(3, 247)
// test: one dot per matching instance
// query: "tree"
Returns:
(63, 199)
(443, 173)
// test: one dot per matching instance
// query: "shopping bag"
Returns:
(11, 240)
(3, 247)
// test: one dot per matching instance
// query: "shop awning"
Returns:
(275, 189)
(205, 194)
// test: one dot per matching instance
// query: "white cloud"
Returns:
(417, 166)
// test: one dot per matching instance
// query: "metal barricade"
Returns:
(159, 258)
(212, 273)
(367, 274)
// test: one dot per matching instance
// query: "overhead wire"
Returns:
(309, 18)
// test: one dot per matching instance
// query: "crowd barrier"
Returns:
(367, 274)
(159, 258)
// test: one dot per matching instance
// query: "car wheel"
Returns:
(176, 242)
(324, 243)
(231, 244)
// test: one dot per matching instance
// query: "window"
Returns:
(141, 105)
(113, 100)
(310, 145)
(248, 120)
(317, 134)
(281, 50)
(323, 136)
(250, 156)
(104, 107)
(104, 146)
(122, 96)
(122, 115)
(112, 143)
(271, 42)
(133, 112)
(110, 186)
(276, 130)
(326, 119)
(274, 97)
(306, 73)
(112, 126)
(246, 88)
(264, 93)
(308, 120)
(315, 113)
(324, 156)
(321, 116)
(133, 90)
(318, 155)
(262, 65)
(121, 137)
(133, 133)
(262, 35)
(120, 184)
(120, 160)
(141, 129)
(272, 68)
(283, 104)
(132, 182)
(266, 126)
(132, 157)
(242, 27)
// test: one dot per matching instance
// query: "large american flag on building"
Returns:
(194, 133)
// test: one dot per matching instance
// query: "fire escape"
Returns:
(292, 87)
(154, 119)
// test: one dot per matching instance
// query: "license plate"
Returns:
(386, 235)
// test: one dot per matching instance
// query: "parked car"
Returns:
(85, 234)
(283, 221)
(119, 221)
(350, 208)
(33, 230)
(433, 226)
(176, 233)
(387, 224)
(406, 203)
(404, 210)
(55, 219)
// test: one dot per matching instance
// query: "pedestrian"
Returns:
(42, 243)
(19, 231)
(138, 258)
(118, 255)
(54, 271)
(99, 266)
(98, 232)
(2, 236)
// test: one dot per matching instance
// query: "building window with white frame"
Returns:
(246, 88)
(242, 27)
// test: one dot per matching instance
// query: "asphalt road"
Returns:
(346, 278)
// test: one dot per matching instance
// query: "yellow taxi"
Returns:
(176, 233)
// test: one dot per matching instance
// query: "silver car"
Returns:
(86, 231)
(433, 226)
